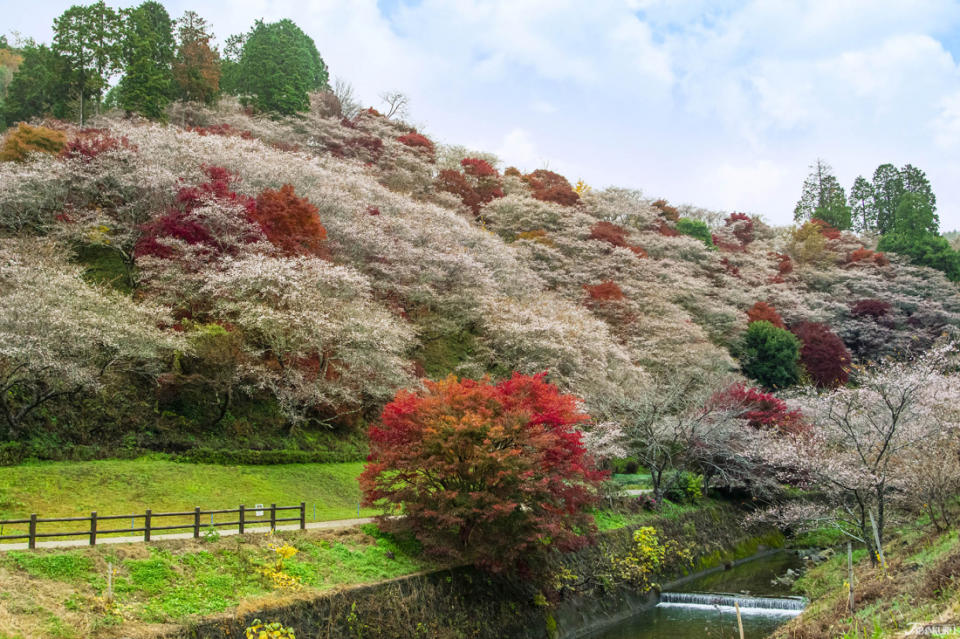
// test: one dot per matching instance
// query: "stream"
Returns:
(703, 607)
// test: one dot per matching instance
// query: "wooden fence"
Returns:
(149, 526)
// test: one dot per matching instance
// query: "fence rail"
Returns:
(148, 517)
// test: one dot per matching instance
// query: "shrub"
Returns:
(862, 253)
(648, 558)
(224, 130)
(872, 308)
(417, 142)
(770, 355)
(695, 228)
(89, 143)
(666, 230)
(760, 410)
(823, 354)
(477, 185)
(669, 212)
(551, 187)
(826, 230)
(763, 312)
(742, 227)
(537, 235)
(610, 233)
(516, 478)
(512, 171)
(290, 223)
(604, 292)
(784, 263)
(31, 139)
(194, 223)
(808, 245)
(274, 630)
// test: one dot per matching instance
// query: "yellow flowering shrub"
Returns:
(648, 558)
(274, 574)
(273, 630)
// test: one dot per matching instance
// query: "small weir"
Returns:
(703, 607)
(748, 605)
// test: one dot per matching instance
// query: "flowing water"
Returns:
(703, 608)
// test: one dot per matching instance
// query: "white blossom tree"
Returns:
(59, 336)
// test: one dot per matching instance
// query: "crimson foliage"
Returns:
(478, 184)
(418, 142)
(744, 227)
(823, 354)
(826, 229)
(551, 187)
(871, 308)
(604, 292)
(89, 143)
(290, 222)
(763, 312)
(178, 224)
(761, 410)
(488, 474)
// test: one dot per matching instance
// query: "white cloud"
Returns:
(946, 127)
(542, 106)
(518, 149)
(748, 187)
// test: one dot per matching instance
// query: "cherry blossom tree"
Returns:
(60, 337)
(859, 452)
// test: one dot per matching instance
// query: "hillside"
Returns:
(161, 287)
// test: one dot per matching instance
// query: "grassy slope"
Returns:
(919, 585)
(62, 593)
(64, 489)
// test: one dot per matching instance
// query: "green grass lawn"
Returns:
(57, 593)
(118, 487)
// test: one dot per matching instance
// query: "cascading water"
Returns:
(790, 606)
(703, 607)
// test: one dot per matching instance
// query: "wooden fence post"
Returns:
(32, 542)
(273, 516)
(303, 515)
(93, 528)
(242, 512)
(196, 523)
(146, 525)
(850, 576)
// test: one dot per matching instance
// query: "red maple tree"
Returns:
(290, 222)
(823, 354)
(484, 473)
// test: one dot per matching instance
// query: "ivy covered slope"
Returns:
(242, 283)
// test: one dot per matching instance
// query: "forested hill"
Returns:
(232, 281)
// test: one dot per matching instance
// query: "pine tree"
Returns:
(823, 198)
(148, 52)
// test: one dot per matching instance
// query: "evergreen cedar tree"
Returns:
(279, 66)
(487, 474)
(824, 356)
(770, 355)
(760, 410)
(763, 312)
(148, 52)
(37, 88)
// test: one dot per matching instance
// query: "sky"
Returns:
(723, 105)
